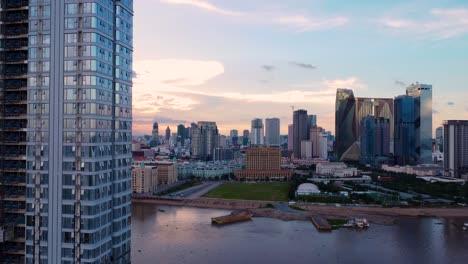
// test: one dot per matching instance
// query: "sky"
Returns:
(232, 61)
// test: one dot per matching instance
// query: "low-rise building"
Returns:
(263, 164)
(419, 170)
(335, 169)
(167, 172)
(144, 178)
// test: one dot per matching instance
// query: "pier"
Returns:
(320, 223)
(232, 218)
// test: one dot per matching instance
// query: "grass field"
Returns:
(251, 191)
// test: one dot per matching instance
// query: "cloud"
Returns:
(177, 81)
(268, 67)
(302, 23)
(440, 24)
(351, 83)
(205, 6)
(400, 83)
(298, 22)
(166, 120)
(450, 103)
(304, 65)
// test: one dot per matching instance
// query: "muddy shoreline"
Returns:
(378, 215)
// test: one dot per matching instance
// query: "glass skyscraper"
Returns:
(405, 150)
(300, 131)
(456, 148)
(345, 121)
(422, 94)
(79, 131)
(272, 132)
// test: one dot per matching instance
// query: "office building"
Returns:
(13, 124)
(290, 137)
(272, 132)
(404, 137)
(376, 107)
(167, 172)
(440, 138)
(315, 134)
(181, 134)
(256, 132)
(234, 135)
(306, 149)
(422, 94)
(79, 132)
(263, 163)
(155, 134)
(300, 131)
(345, 122)
(221, 154)
(456, 148)
(204, 140)
(168, 134)
(312, 120)
(144, 178)
(323, 145)
(375, 139)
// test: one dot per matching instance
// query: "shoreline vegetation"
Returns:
(303, 211)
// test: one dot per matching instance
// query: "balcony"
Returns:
(15, 4)
(15, 43)
(14, 56)
(16, 84)
(14, 30)
(14, 124)
(15, 16)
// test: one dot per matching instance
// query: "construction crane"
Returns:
(292, 107)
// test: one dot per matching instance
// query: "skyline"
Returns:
(252, 59)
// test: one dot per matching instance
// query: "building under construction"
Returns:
(13, 123)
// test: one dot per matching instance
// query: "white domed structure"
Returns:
(307, 189)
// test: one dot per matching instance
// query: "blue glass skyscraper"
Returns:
(79, 131)
(405, 150)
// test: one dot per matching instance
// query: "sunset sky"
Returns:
(231, 61)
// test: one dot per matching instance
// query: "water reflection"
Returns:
(185, 235)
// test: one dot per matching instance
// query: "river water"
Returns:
(185, 235)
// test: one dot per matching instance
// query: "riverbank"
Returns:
(377, 215)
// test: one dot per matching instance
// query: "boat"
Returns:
(231, 218)
(357, 222)
(465, 226)
(161, 210)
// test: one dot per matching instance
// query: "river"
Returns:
(185, 235)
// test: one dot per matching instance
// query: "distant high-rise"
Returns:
(375, 139)
(290, 137)
(272, 132)
(404, 137)
(245, 137)
(312, 120)
(456, 148)
(168, 133)
(345, 121)
(234, 135)
(315, 137)
(422, 94)
(376, 107)
(204, 140)
(440, 137)
(256, 132)
(300, 131)
(181, 134)
(155, 133)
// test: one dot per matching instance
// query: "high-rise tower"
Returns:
(13, 123)
(345, 121)
(272, 132)
(300, 131)
(79, 131)
(422, 94)
(256, 132)
(456, 148)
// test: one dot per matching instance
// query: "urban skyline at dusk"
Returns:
(255, 59)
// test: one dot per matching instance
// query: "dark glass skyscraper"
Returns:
(345, 121)
(405, 151)
(375, 139)
(13, 124)
(300, 131)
